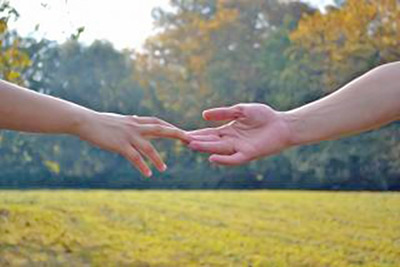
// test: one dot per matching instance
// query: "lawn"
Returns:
(194, 228)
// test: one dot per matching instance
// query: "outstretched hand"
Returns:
(129, 136)
(254, 131)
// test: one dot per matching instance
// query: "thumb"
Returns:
(223, 113)
(229, 160)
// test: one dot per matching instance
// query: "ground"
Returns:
(193, 228)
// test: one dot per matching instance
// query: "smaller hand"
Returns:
(255, 131)
(129, 136)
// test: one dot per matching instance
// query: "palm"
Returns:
(255, 131)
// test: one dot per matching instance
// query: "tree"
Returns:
(13, 61)
(209, 52)
(333, 48)
(357, 36)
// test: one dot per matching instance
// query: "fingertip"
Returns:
(178, 134)
(186, 138)
(205, 115)
(212, 159)
(148, 173)
(164, 168)
(161, 167)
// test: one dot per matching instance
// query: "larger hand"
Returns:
(255, 131)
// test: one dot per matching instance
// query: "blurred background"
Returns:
(173, 59)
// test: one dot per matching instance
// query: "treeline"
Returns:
(209, 53)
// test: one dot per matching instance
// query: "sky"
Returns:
(126, 23)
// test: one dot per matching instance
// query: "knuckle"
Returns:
(223, 132)
(155, 120)
(132, 124)
(176, 133)
(182, 135)
(133, 118)
(173, 131)
(148, 149)
(239, 108)
(158, 128)
(135, 157)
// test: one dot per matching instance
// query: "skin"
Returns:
(28, 111)
(256, 130)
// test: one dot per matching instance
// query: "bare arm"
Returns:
(26, 110)
(257, 130)
(29, 111)
(366, 103)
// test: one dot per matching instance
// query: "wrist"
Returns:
(294, 124)
(82, 121)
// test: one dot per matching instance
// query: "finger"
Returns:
(205, 131)
(153, 120)
(229, 160)
(165, 132)
(136, 159)
(205, 138)
(207, 134)
(220, 147)
(147, 149)
(224, 113)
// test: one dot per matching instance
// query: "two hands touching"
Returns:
(254, 130)
(251, 131)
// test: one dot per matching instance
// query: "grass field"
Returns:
(172, 228)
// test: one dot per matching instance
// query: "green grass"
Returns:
(172, 228)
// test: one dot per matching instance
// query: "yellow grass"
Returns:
(172, 228)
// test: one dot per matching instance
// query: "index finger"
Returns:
(159, 131)
(205, 131)
(153, 120)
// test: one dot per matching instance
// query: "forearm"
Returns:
(368, 102)
(26, 110)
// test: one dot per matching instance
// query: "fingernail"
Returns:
(164, 168)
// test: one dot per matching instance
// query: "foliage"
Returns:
(334, 48)
(357, 36)
(13, 61)
(210, 53)
(211, 50)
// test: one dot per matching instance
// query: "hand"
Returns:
(255, 131)
(128, 136)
